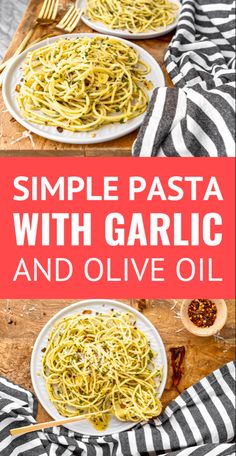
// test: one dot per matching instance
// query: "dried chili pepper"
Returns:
(177, 357)
(142, 304)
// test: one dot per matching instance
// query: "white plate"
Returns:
(13, 76)
(103, 306)
(102, 28)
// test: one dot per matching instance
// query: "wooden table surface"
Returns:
(10, 130)
(21, 322)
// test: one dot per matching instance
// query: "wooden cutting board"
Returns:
(10, 130)
(22, 320)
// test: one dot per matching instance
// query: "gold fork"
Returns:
(49, 424)
(47, 14)
(71, 18)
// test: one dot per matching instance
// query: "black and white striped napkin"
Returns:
(198, 117)
(200, 422)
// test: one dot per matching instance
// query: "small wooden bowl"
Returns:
(220, 320)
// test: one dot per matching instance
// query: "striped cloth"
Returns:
(198, 117)
(199, 422)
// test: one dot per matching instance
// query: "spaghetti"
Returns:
(101, 363)
(134, 16)
(84, 83)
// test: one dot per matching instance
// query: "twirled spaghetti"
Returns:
(95, 363)
(135, 16)
(84, 83)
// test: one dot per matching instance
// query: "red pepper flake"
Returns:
(177, 357)
(202, 312)
(17, 88)
(87, 312)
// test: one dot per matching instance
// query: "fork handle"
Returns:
(20, 48)
(40, 426)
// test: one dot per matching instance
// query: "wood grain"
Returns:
(22, 320)
(10, 130)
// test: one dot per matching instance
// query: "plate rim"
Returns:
(88, 302)
(127, 35)
(74, 140)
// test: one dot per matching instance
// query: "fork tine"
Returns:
(50, 9)
(72, 17)
(65, 18)
(44, 7)
(47, 9)
(54, 8)
(71, 26)
(48, 12)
